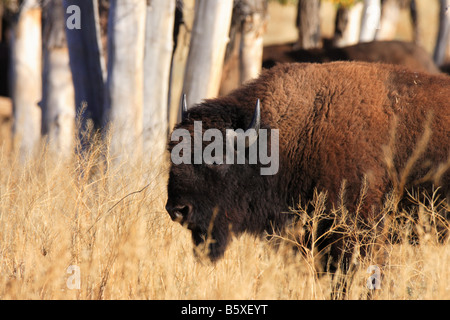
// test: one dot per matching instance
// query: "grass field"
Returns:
(97, 215)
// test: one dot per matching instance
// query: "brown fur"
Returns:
(335, 122)
(392, 52)
(401, 53)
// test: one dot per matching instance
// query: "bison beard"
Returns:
(335, 122)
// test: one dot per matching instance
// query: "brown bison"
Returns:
(402, 53)
(392, 52)
(335, 122)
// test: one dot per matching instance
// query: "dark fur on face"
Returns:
(215, 211)
(335, 121)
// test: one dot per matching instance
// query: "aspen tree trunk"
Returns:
(390, 13)
(58, 102)
(124, 98)
(443, 37)
(252, 39)
(26, 79)
(308, 24)
(243, 54)
(207, 50)
(415, 22)
(157, 61)
(86, 59)
(370, 20)
(348, 25)
(180, 52)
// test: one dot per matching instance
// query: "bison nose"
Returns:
(179, 213)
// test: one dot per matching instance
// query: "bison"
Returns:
(396, 52)
(393, 52)
(335, 122)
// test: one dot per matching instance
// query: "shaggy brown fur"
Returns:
(335, 121)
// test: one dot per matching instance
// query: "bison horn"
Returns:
(184, 108)
(254, 125)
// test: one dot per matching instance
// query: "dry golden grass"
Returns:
(106, 219)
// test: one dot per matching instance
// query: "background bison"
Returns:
(401, 53)
(335, 121)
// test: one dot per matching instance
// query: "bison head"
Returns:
(225, 194)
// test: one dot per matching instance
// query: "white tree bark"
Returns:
(252, 41)
(415, 22)
(443, 38)
(87, 61)
(26, 79)
(124, 99)
(308, 24)
(390, 13)
(207, 50)
(370, 20)
(157, 60)
(348, 25)
(58, 102)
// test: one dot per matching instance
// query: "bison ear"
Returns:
(254, 126)
(183, 105)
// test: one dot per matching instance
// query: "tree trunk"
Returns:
(370, 21)
(184, 22)
(243, 55)
(252, 39)
(87, 61)
(207, 49)
(124, 99)
(415, 22)
(308, 24)
(390, 13)
(443, 38)
(58, 104)
(347, 25)
(157, 61)
(26, 79)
